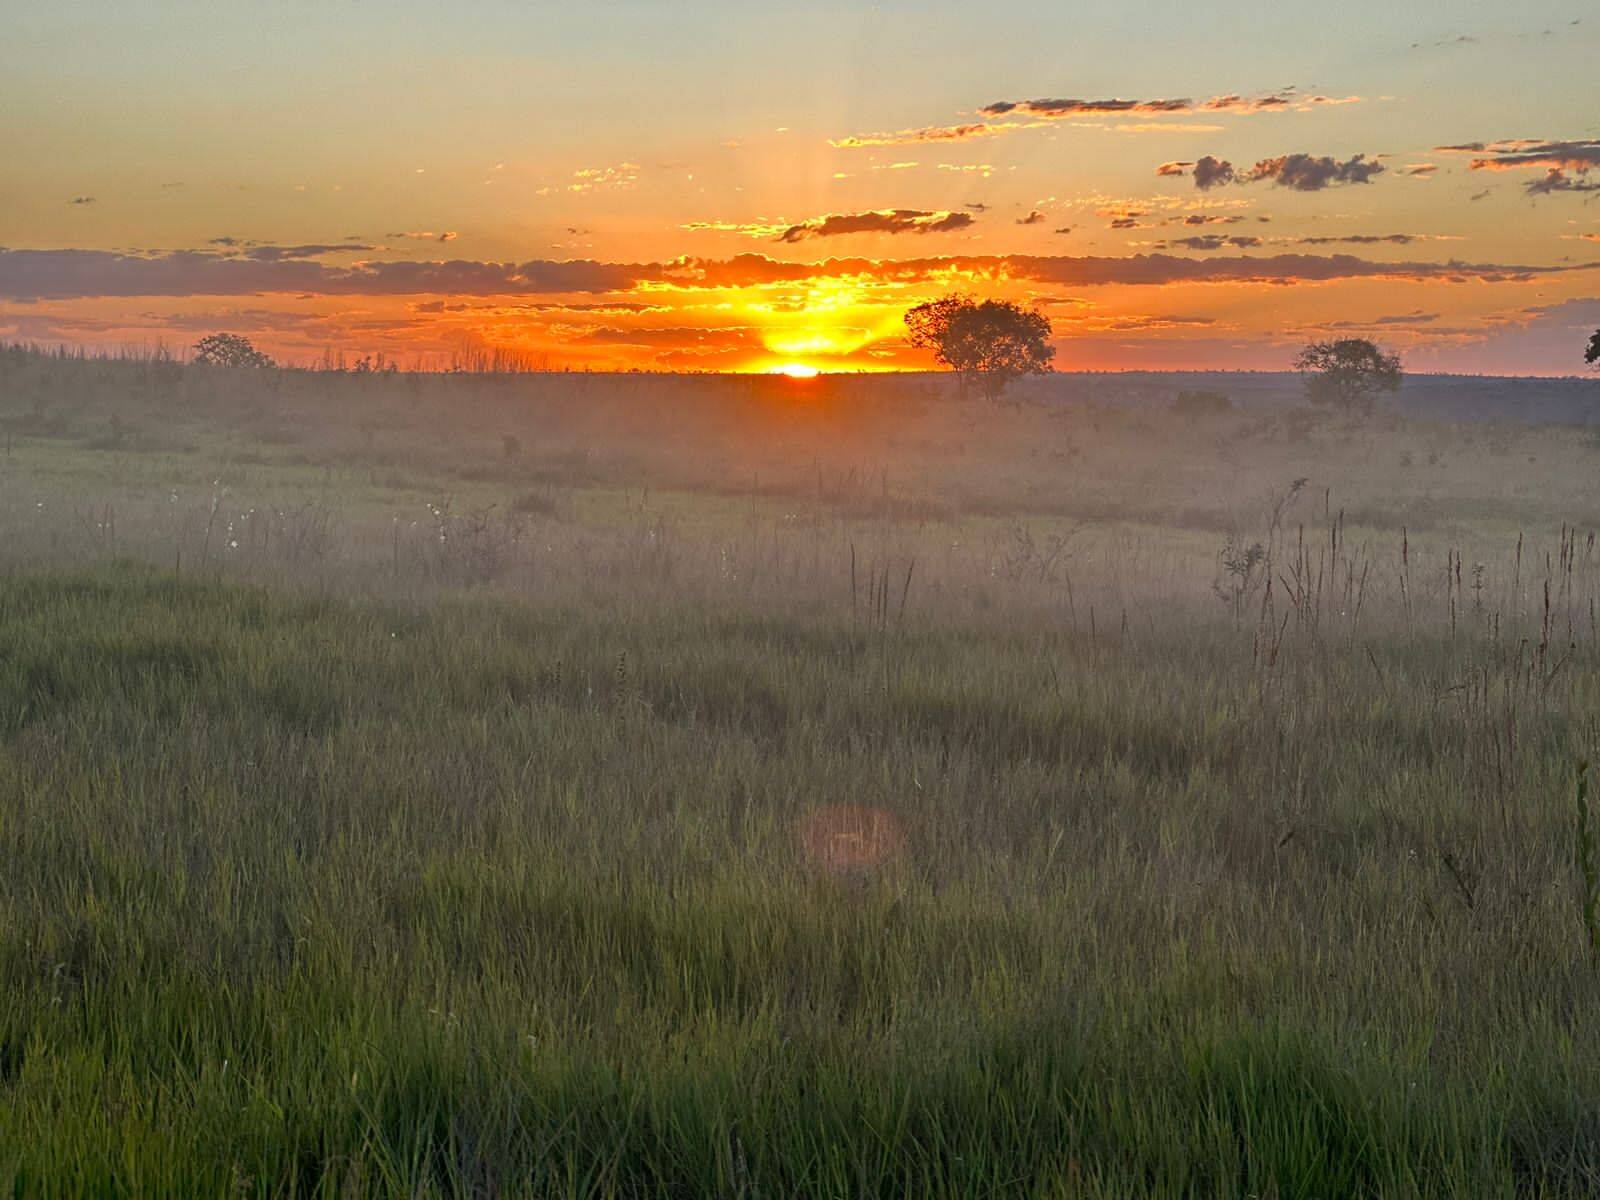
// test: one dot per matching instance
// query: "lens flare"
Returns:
(849, 837)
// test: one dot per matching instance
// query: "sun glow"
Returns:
(798, 371)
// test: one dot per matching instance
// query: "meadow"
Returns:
(524, 785)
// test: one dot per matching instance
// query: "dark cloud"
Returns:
(1302, 172)
(1093, 271)
(1052, 109)
(1557, 180)
(1378, 324)
(68, 274)
(1412, 318)
(1213, 241)
(1065, 229)
(1580, 154)
(1561, 159)
(1310, 173)
(1361, 239)
(1077, 108)
(1033, 218)
(1207, 219)
(1209, 172)
(59, 274)
(1151, 269)
(603, 307)
(896, 220)
(83, 200)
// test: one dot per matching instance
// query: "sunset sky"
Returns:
(732, 186)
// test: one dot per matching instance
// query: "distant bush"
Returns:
(229, 350)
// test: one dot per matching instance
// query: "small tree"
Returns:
(1592, 354)
(1348, 373)
(990, 343)
(228, 350)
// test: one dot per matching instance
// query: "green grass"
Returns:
(312, 896)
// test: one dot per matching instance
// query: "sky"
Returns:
(719, 186)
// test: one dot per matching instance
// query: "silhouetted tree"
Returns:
(1348, 373)
(1592, 354)
(990, 343)
(228, 350)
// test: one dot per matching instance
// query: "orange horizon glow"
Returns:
(772, 329)
(758, 314)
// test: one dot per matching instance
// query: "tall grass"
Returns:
(312, 896)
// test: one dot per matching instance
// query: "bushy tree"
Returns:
(989, 343)
(1592, 354)
(1348, 373)
(228, 350)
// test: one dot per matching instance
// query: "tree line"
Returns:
(990, 344)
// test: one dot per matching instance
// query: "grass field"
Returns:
(585, 787)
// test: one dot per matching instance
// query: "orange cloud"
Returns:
(1582, 154)
(912, 137)
(1053, 110)
(897, 220)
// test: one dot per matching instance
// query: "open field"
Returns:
(594, 786)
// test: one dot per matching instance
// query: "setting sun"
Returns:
(798, 371)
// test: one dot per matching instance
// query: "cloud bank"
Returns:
(27, 275)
